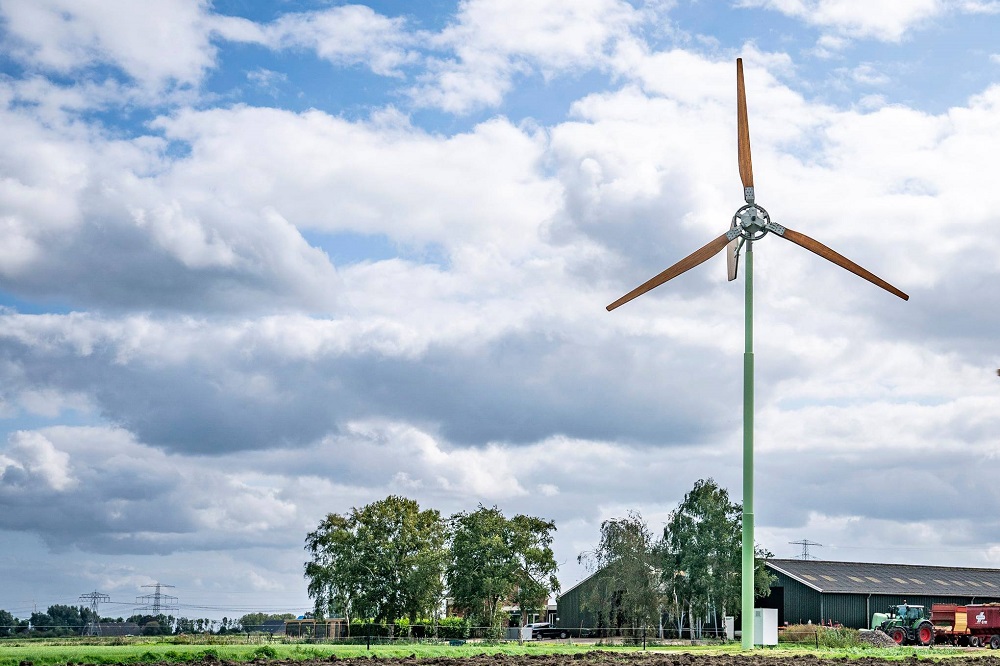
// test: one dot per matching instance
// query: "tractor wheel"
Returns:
(925, 633)
(973, 641)
(898, 635)
(563, 634)
(995, 642)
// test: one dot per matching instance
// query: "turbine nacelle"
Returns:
(752, 222)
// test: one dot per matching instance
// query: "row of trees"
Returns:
(390, 560)
(58, 620)
(64, 620)
(692, 570)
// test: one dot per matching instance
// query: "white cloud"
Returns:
(33, 455)
(91, 192)
(156, 44)
(886, 20)
(267, 80)
(979, 6)
(184, 236)
(347, 35)
(868, 75)
(98, 489)
(495, 41)
(380, 176)
(170, 44)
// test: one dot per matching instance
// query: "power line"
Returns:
(918, 549)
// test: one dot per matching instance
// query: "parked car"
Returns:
(546, 630)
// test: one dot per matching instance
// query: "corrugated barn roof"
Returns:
(900, 579)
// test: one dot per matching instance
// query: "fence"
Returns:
(371, 633)
(375, 634)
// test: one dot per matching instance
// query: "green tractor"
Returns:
(905, 624)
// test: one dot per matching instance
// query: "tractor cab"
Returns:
(909, 613)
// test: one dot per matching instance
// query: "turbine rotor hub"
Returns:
(752, 221)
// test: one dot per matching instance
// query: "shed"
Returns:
(570, 605)
(313, 628)
(822, 591)
(120, 629)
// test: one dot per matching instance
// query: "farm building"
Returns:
(570, 610)
(312, 628)
(849, 592)
(120, 629)
(820, 591)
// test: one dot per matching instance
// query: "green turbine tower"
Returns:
(750, 223)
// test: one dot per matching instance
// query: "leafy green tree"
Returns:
(42, 623)
(627, 592)
(155, 625)
(255, 621)
(496, 560)
(701, 556)
(184, 626)
(531, 542)
(382, 562)
(65, 620)
(8, 623)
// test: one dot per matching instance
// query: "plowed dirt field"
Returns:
(599, 658)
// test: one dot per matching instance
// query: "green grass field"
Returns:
(55, 652)
(51, 653)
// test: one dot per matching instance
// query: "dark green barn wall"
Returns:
(795, 601)
(569, 606)
(802, 604)
(855, 610)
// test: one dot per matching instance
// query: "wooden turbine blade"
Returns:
(731, 258)
(697, 257)
(743, 128)
(840, 260)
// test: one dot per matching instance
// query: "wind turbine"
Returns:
(750, 223)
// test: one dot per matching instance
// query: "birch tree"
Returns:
(626, 591)
(701, 556)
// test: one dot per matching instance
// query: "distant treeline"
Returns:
(63, 620)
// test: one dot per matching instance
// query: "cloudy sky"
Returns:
(263, 261)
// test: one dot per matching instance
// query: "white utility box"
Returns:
(765, 626)
(730, 623)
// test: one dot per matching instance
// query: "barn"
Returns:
(821, 591)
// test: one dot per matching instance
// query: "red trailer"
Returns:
(984, 624)
(950, 624)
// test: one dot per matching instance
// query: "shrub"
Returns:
(453, 627)
(839, 637)
(816, 634)
(799, 633)
(264, 652)
(361, 629)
